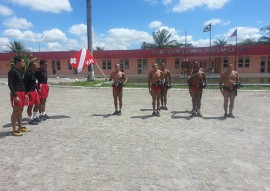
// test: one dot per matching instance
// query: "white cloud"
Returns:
(20, 35)
(166, 2)
(213, 22)
(226, 23)
(152, 1)
(3, 44)
(244, 33)
(54, 35)
(46, 5)
(18, 23)
(54, 46)
(155, 24)
(121, 38)
(185, 5)
(5, 11)
(78, 29)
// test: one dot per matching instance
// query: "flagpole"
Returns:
(235, 50)
(101, 71)
(210, 48)
(91, 75)
(185, 49)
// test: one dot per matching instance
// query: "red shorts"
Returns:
(44, 89)
(33, 98)
(20, 95)
(156, 88)
(195, 89)
(117, 88)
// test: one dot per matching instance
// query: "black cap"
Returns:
(42, 61)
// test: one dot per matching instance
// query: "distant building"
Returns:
(246, 59)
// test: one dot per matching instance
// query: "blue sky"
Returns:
(56, 25)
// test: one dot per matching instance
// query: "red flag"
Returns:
(81, 59)
(234, 33)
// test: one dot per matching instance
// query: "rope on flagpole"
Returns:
(101, 71)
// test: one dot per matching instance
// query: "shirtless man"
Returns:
(119, 80)
(196, 83)
(155, 78)
(166, 85)
(228, 84)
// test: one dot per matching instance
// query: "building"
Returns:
(253, 59)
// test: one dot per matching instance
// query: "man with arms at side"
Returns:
(119, 80)
(165, 86)
(17, 95)
(196, 83)
(155, 78)
(43, 86)
(32, 91)
(228, 84)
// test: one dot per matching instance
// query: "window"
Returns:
(160, 60)
(262, 64)
(58, 64)
(69, 66)
(126, 64)
(109, 64)
(144, 63)
(177, 63)
(104, 64)
(246, 62)
(225, 62)
(240, 62)
(268, 65)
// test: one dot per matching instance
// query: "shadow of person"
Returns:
(59, 116)
(102, 115)
(221, 118)
(5, 134)
(146, 109)
(176, 116)
(24, 122)
(142, 117)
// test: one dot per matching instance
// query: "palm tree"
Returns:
(100, 48)
(248, 42)
(16, 46)
(265, 39)
(161, 40)
(220, 42)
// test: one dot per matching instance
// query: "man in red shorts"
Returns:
(196, 83)
(42, 78)
(119, 79)
(17, 95)
(31, 89)
(155, 78)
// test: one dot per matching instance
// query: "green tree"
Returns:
(265, 39)
(16, 46)
(100, 48)
(248, 42)
(220, 42)
(161, 40)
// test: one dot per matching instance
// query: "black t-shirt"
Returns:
(30, 81)
(42, 77)
(15, 81)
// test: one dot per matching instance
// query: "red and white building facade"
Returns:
(246, 59)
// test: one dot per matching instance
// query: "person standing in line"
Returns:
(196, 83)
(42, 78)
(32, 91)
(165, 86)
(228, 84)
(155, 78)
(17, 95)
(119, 80)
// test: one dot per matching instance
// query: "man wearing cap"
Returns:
(42, 78)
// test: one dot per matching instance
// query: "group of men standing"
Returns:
(28, 89)
(159, 82)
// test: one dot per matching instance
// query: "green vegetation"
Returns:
(102, 83)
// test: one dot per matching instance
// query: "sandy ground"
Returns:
(84, 147)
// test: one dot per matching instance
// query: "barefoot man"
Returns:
(228, 84)
(166, 85)
(155, 78)
(196, 83)
(119, 80)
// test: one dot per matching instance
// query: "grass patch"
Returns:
(102, 83)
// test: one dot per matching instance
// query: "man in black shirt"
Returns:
(17, 95)
(31, 89)
(42, 78)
